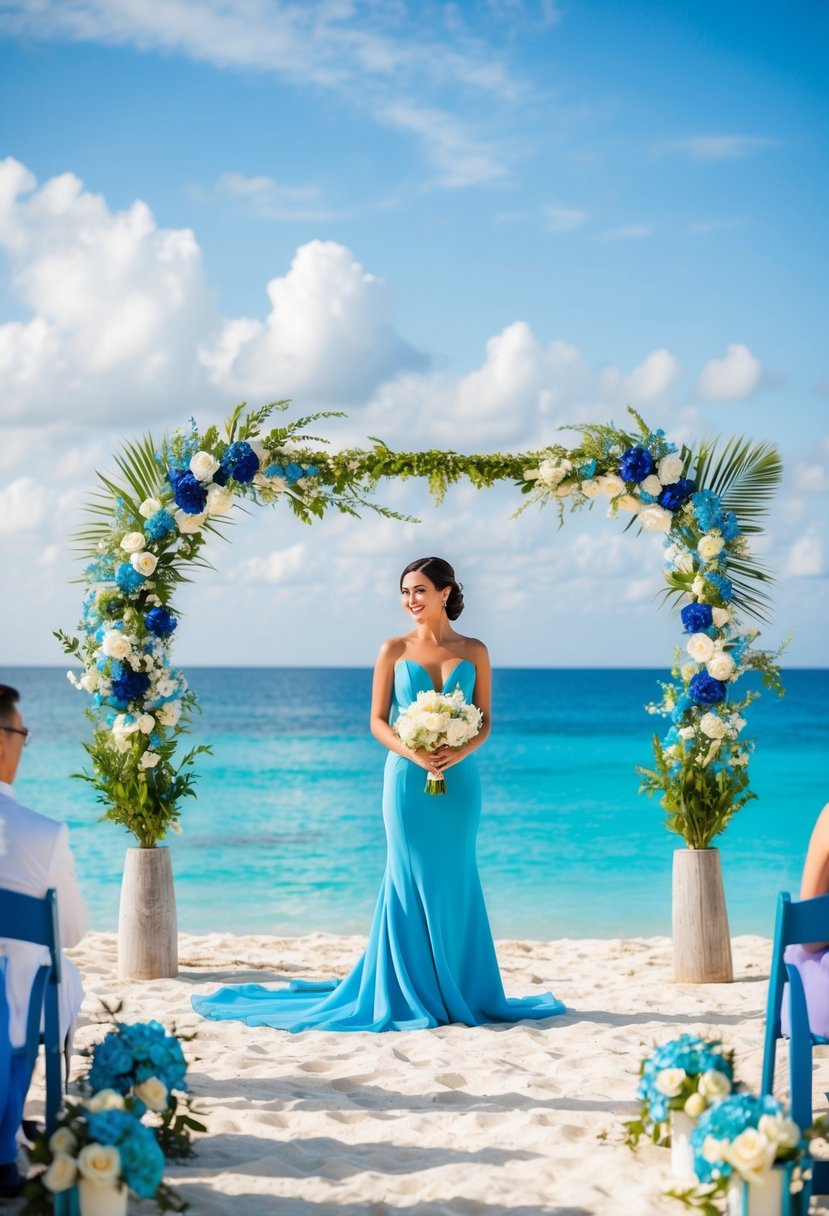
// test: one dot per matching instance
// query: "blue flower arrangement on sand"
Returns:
(687, 1074)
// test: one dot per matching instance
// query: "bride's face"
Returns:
(421, 598)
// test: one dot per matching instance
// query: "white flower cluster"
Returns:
(754, 1151)
(555, 475)
(712, 1086)
(436, 720)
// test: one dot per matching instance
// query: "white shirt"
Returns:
(34, 856)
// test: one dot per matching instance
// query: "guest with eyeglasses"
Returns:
(34, 856)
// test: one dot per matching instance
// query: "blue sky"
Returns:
(466, 225)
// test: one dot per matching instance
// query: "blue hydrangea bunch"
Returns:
(240, 462)
(724, 1122)
(636, 464)
(188, 492)
(160, 622)
(694, 1056)
(134, 1053)
(705, 690)
(142, 1161)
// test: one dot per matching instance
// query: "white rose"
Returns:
(149, 508)
(566, 488)
(188, 524)
(709, 546)
(700, 647)
(651, 485)
(694, 1106)
(203, 466)
(698, 588)
(684, 562)
(219, 500)
(531, 474)
(712, 726)
(629, 503)
(721, 617)
(105, 1099)
(145, 563)
(166, 688)
(654, 518)
(62, 1141)
(751, 1154)
(176, 828)
(779, 1130)
(169, 714)
(133, 542)
(100, 1163)
(149, 759)
(670, 469)
(714, 1085)
(721, 666)
(406, 729)
(433, 722)
(116, 645)
(671, 551)
(61, 1174)
(713, 1150)
(590, 488)
(456, 732)
(611, 484)
(146, 722)
(89, 681)
(153, 1093)
(670, 1081)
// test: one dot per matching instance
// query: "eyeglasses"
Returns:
(19, 730)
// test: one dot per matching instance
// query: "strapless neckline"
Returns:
(453, 672)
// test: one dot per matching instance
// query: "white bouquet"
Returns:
(436, 720)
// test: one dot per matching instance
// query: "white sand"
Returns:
(523, 1119)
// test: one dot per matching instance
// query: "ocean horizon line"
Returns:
(368, 667)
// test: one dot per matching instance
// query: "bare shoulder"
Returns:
(391, 650)
(475, 650)
(820, 831)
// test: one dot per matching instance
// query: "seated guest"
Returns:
(812, 960)
(34, 856)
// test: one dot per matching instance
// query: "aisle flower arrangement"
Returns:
(687, 1074)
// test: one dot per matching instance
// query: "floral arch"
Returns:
(150, 521)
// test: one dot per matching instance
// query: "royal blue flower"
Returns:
(705, 690)
(636, 464)
(722, 584)
(159, 525)
(131, 685)
(160, 622)
(128, 578)
(673, 496)
(293, 471)
(239, 462)
(697, 617)
(188, 491)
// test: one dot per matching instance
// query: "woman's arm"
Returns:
(815, 880)
(381, 690)
(445, 757)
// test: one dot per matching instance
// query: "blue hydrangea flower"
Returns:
(636, 464)
(239, 462)
(131, 685)
(585, 470)
(708, 510)
(142, 1161)
(697, 617)
(160, 622)
(274, 470)
(705, 690)
(674, 496)
(722, 584)
(313, 471)
(128, 578)
(729, 526)
(188, 491)
(159, 525)
(725, 1121)
(688, 1052)
(293, 471)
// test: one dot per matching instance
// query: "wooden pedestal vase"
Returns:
(147, 927)
(702, 945)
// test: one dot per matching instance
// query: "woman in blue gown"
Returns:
(430, 958)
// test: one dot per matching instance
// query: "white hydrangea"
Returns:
(712, 726)
(149, 759)
(552, 471)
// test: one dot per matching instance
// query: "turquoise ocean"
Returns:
(286, 833)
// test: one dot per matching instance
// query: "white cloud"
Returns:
(462, 158)
(805, 558)
(328, 337)
(718, 147)
(630, 232)
(562, 219)
(653, 377)
(276, 567)
(273, 200)
(23, 504)
(812, 478)
(117, 303)
(733, 378)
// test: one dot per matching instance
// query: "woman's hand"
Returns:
(445, 757)
(426, 760)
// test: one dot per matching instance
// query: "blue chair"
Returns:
(796, 924)
(25, 918)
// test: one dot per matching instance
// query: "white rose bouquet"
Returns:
(437, 720)
(687, 1074)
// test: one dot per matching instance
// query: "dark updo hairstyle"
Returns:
(442, 575)
(8, 700)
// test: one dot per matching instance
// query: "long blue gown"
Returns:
(430, 958)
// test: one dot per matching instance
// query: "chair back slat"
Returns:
(25, 918)
(806, 921)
